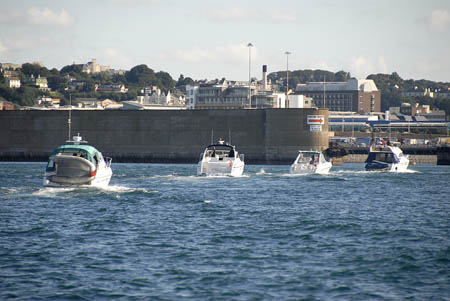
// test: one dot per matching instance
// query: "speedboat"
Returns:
(386, 158)
(311, 162)
(77, 164)
(220, 159)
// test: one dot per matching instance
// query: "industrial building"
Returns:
(351, 96)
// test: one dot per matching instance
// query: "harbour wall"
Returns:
(269, 136)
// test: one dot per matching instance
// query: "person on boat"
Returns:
(231, 153)
(312, 160)
(388, 142)
(213, 151)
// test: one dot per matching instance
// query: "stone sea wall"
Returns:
(270, 136)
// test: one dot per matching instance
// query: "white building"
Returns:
(299, 101)
(13, 82)
(154, 95)
(191, 96)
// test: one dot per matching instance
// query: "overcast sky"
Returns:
(208, 39)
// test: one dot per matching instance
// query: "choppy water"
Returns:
(161, 233)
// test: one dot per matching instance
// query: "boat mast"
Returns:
(70, 114)
(212, 136)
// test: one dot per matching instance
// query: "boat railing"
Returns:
(108, 161)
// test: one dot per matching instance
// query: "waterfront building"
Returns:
(271, 99)
(221, 94)
(154, 95)
(48, 102)
(351, 96)
(135, 105)
(191, 96)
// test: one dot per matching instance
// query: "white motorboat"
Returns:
(386, 158)
(311, 162)
(77, 164)
(221, 159)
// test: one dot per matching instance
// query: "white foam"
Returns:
(124, 189)
(261, 172)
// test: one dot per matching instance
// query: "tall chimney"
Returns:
(264, 77)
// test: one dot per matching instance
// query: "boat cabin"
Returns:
(87, 152)
(310, 157)
(221, 151)
(385, 154)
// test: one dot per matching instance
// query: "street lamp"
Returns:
(287, 71)
(250, 45)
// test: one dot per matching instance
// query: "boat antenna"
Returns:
(69, 121)
(212, 136)
(229, 136)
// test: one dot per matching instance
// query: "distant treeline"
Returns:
(390, 85)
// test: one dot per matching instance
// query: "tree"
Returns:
(166, 80)
(72, 69)
(57, 83)
(183, 81)
(141, 75)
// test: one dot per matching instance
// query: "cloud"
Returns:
(3, 48)
(439, 20)
(232, 53)
(361, 67)
(117, 58)
(38, 16)
(136, 2)
(10, 17)
(48, 17)
(235, 14)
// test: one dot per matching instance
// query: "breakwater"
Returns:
(269, 136)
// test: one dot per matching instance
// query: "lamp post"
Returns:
(250, 45)
(287, 71)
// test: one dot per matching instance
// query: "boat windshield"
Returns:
(385, 157)
(310, 157)
(220, 151)
(87, 152)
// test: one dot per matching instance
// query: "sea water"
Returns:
(159, 232)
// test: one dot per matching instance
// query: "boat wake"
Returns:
(261, 172)
(124, 189)
(55, 191)
(223, 176)
(340, 172)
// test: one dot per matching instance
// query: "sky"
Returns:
(207, 39)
